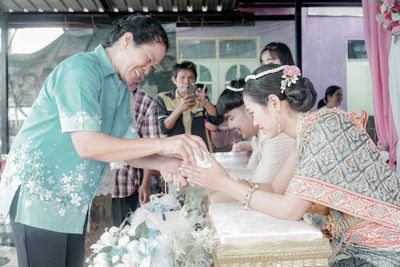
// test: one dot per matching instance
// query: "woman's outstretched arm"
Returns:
(269, 199)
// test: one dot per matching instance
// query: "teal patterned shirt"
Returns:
(83, 93)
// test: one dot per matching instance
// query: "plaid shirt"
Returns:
(144, 114)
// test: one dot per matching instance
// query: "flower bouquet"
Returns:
(180, 239)
(389, 15)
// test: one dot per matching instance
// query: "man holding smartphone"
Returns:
(184, 109)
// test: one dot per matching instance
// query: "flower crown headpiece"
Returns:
(234, 89)
(290, 75)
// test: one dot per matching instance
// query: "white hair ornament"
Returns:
(290, 75)
(261, 74)
(234, 89)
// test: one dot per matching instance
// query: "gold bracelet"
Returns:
(249, 194)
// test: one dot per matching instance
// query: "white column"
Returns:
(394, 88)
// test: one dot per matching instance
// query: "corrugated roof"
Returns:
(116, 5)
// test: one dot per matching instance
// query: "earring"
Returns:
(278, 121)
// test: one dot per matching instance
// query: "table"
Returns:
(251, 238)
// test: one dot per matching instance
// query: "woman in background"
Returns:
(276, 53)
(333, 98)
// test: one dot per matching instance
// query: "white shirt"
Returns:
(269, 154)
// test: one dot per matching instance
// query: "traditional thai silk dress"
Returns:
(339, 167)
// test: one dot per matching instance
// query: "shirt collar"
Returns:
(105, 63)
(177, 95)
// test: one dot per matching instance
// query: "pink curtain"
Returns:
(378, 41)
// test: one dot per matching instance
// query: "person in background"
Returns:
(276, 53)
(209, 129)
(335, 170)
(132, 185)
(230, 105)
(123, 186)
(333, 98)
(179, 112)
(222, 137)
(80, 122)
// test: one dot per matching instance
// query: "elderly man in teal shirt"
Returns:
(80, 121)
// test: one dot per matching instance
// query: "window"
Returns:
(217, 59)
(196, 49)
(204, 76)
(356, 49)
(242, 48)
(236, 72)
(218, 48)
(37, 38)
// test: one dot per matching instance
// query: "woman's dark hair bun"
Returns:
(301, 95)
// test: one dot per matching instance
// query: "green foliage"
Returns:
(141, 230)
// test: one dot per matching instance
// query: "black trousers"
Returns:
(121, 207)
(43, 248)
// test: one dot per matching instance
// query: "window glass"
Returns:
(246, 48)
(204, 77)
(356, 49)
(236, 72)
(197, 49)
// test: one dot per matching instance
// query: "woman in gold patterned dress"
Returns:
(335, 171)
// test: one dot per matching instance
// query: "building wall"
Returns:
(324, 43)
(325, 49)
(267, 31)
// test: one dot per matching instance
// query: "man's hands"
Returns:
(144, 189)
(201, 94)
(187, 103)
(144, 193)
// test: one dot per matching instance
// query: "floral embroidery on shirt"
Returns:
(67, 190)
(79, 117)
(16, 163)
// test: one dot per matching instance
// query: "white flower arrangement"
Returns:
(181, 241)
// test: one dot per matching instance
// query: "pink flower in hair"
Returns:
(291, 71)
(289, 76)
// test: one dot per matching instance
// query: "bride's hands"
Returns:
(170, 173)
(213, 178)
(182, 146)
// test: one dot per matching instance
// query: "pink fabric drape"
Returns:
(378, 42)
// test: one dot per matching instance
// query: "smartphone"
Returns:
(191, 89)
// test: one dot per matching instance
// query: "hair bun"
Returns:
(301, 95)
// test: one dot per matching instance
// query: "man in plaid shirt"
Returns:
(132, 185)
